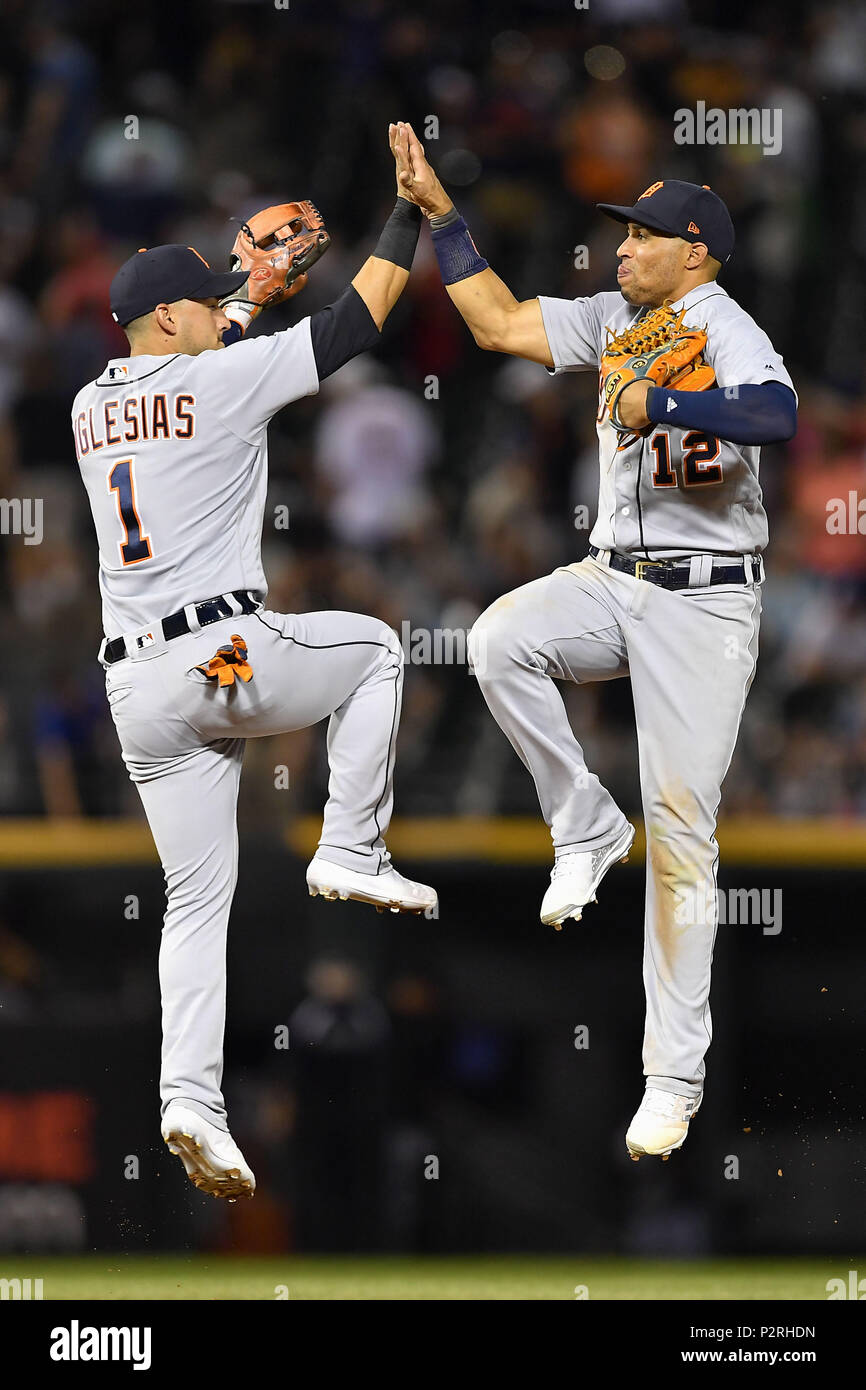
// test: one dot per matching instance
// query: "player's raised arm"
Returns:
(354, 322)
(382, 278)
(277, 248)
(496, 319)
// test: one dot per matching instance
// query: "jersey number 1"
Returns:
(136, 547)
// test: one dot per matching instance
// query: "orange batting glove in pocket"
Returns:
(229, 661)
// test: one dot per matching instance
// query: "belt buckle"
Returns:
(641, 566)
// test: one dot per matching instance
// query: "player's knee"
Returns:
(199, 894)
(379, 635)
(681, 847)
(393, 643)
(391, 655)
(491, 646)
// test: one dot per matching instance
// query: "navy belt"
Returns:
(211, 610)
(677, 574)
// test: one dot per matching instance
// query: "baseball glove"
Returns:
(658, 347)
(277, 246)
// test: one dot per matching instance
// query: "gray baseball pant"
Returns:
(182, 739)
(691, 655)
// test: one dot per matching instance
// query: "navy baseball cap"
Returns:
(163, 275)
(688, 210)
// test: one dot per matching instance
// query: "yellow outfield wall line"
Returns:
(54, 844)
(526, 840)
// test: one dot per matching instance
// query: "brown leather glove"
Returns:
(277, 246)
(659, 347)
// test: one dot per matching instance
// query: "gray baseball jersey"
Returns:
(173, 452)
(674, 492)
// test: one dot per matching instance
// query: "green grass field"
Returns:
(180, 1277)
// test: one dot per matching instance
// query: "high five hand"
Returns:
(416, 179)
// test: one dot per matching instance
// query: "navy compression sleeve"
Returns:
(339, 332)
(754, 414)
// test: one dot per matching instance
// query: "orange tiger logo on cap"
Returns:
(653, 188)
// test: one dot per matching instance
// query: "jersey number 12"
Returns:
(698, 452)
(136, 547)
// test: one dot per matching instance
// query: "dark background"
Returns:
(452, 1039)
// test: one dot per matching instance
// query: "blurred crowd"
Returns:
(428, 479)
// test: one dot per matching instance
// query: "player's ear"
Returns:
(696, 256)
(166, 319)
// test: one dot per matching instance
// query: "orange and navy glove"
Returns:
(229, 661)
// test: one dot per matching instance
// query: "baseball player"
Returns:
(172, 446)
(668, 595)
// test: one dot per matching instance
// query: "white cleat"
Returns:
(212, 1159)
(386, 890)
(660, 1124)
(575, 878)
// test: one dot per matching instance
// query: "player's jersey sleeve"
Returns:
(574, 328)
(251, 380)
(740, 352)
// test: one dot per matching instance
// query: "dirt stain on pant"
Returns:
(680, 856)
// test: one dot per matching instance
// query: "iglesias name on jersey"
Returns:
(173, 453)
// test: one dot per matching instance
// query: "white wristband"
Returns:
(241, 311)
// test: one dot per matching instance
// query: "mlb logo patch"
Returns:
(115, 372)
(146, 639)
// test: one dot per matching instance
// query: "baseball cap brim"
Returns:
(218, 286)
(645, 219)
(212, 287)
(164, 275)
